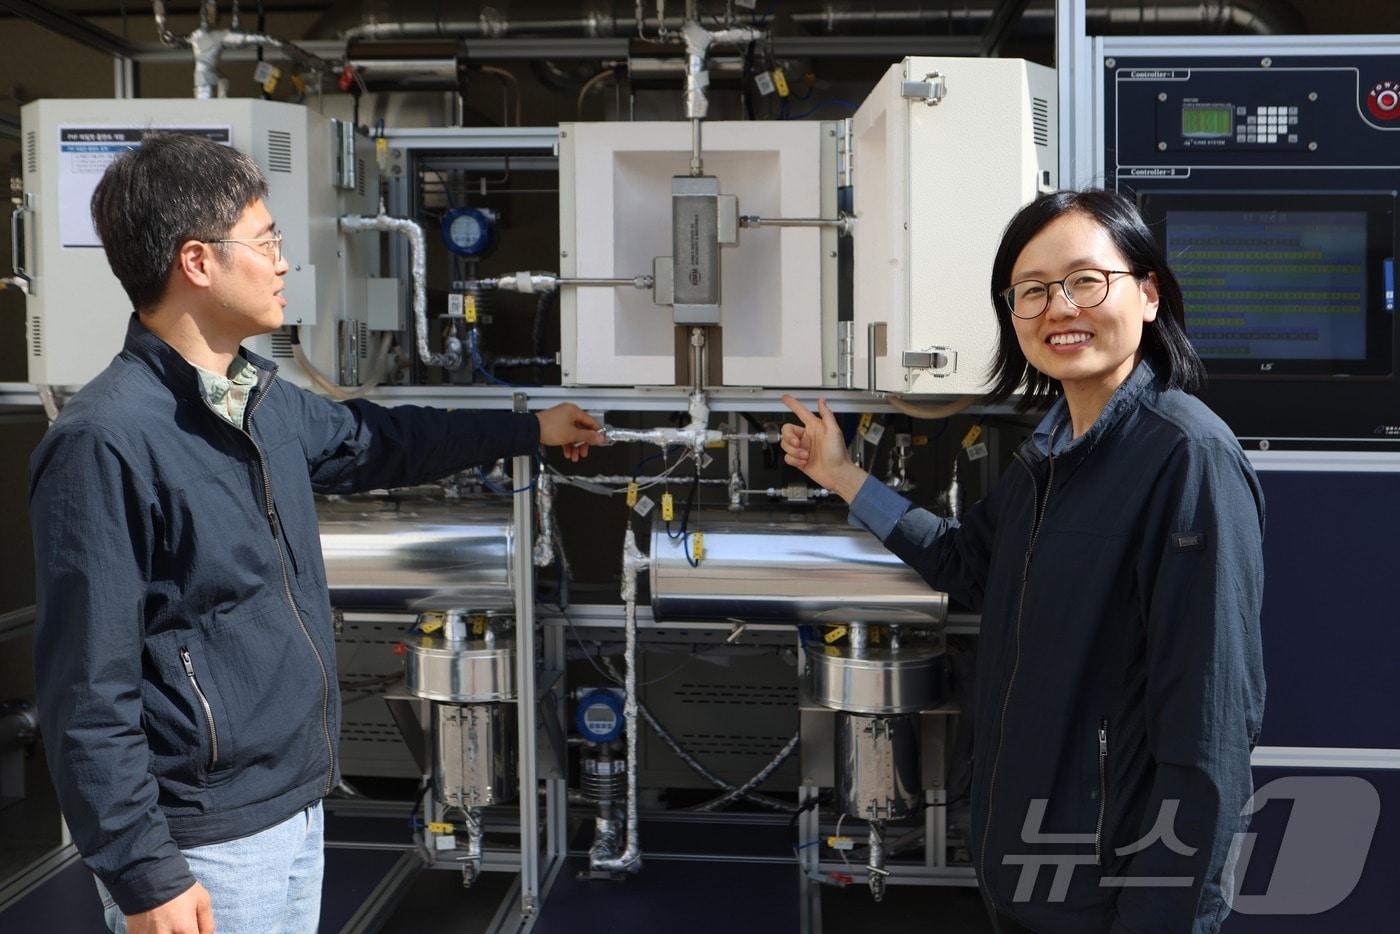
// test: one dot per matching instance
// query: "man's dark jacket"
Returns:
(1119, 674)
(184, 654)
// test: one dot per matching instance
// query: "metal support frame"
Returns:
(386, 895)
(1074, 62)
(37, 873)
(1003, 21)
(523, 571)
(71, 26)
(16, 623)
(123, 77)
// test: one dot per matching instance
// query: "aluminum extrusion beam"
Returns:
(375, 910)
(71, 26)
(16, 622)
(1073, 72)
(524, 573)
(1003, 21)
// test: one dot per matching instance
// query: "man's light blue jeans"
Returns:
(269, 883)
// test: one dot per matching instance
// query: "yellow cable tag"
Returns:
(972, 435)
(668, 507)
(439, 827)
(717, 443)
(866, 420)
(697, 546)
(920, 440)
(834, 633)
(780, 82)
(840, 843)
(298, 84)
(469, 308)
(632, 494)
(270, 84)
(478, 625)
(430, 626)
(381, 153)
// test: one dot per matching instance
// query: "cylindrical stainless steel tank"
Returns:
(785, 566)
(877, 680)
(877, 765)
(417, 553)
(475, 762)
(459, 672)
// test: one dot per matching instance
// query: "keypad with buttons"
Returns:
(1266, 124)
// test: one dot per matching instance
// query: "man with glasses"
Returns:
(184, 652)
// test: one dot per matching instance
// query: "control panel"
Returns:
(1271, 181)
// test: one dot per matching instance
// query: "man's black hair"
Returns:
(172, 189)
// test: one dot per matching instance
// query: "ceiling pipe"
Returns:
(1260, 17)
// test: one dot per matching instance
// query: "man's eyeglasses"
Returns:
(271, 247)
(1084, 288)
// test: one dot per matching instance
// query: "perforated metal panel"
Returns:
(733, 717)
(370, 743)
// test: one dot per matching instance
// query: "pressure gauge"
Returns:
(469, 231)
(599, 717)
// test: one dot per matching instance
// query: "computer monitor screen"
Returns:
(1282, 285)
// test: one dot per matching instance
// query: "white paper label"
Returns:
(445, 841)
(975, 452)
(874, 433)
(644, 506)
(84, 152)
(764, 81)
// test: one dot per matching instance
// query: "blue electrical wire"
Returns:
(474, 352)
(637, 472)
(500, 492)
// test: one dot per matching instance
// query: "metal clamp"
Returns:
(934, 359)
(931, 90)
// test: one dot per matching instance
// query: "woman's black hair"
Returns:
(1164, 339)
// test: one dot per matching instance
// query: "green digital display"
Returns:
(1207, 120)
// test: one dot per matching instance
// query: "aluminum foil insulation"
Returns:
(544, 497)
(633, 562)
(451, 358)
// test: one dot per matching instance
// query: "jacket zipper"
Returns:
(1103, 790)
(203, 702)
(272, 522)
(1042, 506)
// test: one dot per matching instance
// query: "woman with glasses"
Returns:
(1118, 568)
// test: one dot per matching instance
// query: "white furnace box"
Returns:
(935, 185)
(778, 298)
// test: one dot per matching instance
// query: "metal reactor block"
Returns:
(695, 249)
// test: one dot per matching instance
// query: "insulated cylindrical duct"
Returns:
(783, 566)
(416, 553)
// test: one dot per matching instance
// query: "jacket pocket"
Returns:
(1103, 791)
(212, 762)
